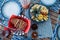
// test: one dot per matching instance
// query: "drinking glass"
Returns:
(25, 3)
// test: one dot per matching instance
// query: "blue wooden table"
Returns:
(44, 29)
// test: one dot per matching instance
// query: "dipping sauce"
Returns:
(34, 35)
(34, 26)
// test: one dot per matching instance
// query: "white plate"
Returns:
(48, 2)
(11, 8)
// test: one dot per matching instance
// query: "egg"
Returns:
(40, 17)
(32, 17)
(35, 6)
(31, 10)
(45, 17)
(38, 6)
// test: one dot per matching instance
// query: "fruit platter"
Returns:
(39, 13)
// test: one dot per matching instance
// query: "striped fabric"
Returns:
(54, 17)
(55, 7)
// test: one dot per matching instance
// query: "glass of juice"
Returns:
(25, 3)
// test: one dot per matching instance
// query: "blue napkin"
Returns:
(44, 29)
